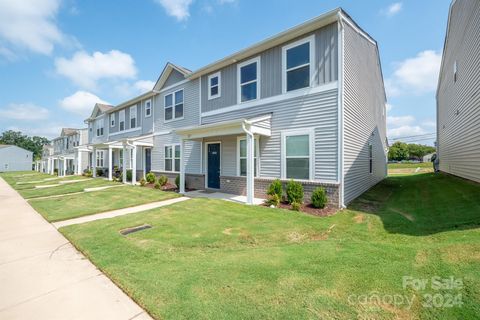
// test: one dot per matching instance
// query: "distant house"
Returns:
(427, 157)
(458, 93)
(13, 158)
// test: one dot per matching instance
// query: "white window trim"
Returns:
(112, 120)
(298, 132)
(219, 85)
(121, 118)
(257, 146)
(311, 40)
(133, 115)
(100, 156)
(172, 145)
(258, 80)
(149, 101)
(99, 127)
(173, 106)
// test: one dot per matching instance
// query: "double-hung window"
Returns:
(298, 64)
(112, 120)
(99, 125)
(148, 108)
(120, 158)
(214, 86)
(133, 117)
(297, 154)
(242, 156)
(249, 80)
(174, 105)
(370, 158)
(121, 120)
(100, 158)
(172, 157)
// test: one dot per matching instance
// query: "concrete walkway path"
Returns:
(42, 276)
(119, 212)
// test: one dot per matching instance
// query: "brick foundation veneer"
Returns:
(236, 185)
(192, 181)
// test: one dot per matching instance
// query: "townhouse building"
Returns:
(67, 154)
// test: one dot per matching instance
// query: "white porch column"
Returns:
(110, 167)
(79, 162)
(94, 162)
(134, 165)
(250, 168)
(124, 163)
(182, 167)
(64, 167)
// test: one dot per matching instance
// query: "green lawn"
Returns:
(41, 181)
(23, 176)
(77, 205)
(210, 259)
(64, 188)
(409, 165)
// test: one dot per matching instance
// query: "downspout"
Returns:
(341, 170)
(250, 163)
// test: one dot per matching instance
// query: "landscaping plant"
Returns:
(162, 180)
(150, 177)
(319, 198)
(157, 185)
(177, 181)
(143, 182)
(294, 192)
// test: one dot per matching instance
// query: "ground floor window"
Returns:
(100, 159)
(172, 158)
(297, 154)
(242, 156)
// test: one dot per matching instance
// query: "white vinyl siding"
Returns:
(298, 64)
(249, 80)
(214, 86)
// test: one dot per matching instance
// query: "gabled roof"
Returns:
(68, 131)
(169, 67)
(98, 107)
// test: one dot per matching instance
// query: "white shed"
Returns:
(13, 158)
(428, 157)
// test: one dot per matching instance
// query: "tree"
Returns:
(16, 138)
(418, 151)
(398, 151)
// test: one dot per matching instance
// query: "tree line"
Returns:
(16, 138)
(408, 151)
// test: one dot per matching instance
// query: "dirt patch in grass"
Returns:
(309, 209)
(227, 231)
(359, 218)
(460, 253)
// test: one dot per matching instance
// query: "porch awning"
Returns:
(260, 125)
(141, 141)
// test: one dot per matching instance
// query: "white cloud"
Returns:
(24, 111)
(85, 70)
(389, 107)
(400, 121)
(49, 130)
(30, 24)
(416, 75)
(393, 9)
(405, 131)
(144, 85)
(180, 9)
(81, 102)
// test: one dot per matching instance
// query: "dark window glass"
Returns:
(214, 91)
(177, 165)
(249, 92)
(298, 168)
(122, 125)
(179, 110)
(179, 97)
(133, 123)
(213, 81)
(298, 56)
(298, 78)
(168, 113)
(168, 100)
(168, 164)
(248, 73)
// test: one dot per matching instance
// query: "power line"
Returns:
(418, 135)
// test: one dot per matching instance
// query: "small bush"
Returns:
(150, 177)
(273, 200)
(162, 180)
(143, 182)
(129, 175)
(55, 172)
(319, 198)
(275, 188)
(157, 185)
(177, 181)
(294, 192)
(296, 206)
(99, 172)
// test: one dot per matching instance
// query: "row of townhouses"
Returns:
(307, 104)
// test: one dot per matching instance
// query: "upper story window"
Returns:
(174, 105)
(112, 120)
(214, 86)
(297, 64)
(121, 120)
(133, 116)
(148, 108)
(297, 154)
(249, 80)
(99, 124)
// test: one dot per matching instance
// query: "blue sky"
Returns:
(57, 57)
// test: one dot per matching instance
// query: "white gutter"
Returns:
(340, 168)
(250, 163)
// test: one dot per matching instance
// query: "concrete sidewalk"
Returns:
(42, 276)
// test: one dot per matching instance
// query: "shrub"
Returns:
(162, 180)
(275, 188)
(273, 200)
(55, 172)
(319, 198)
(150, 177)
(99, 172)
(87, 173)
(143, 182)
(296, 206)
(157, 185)
(177, 181)
(129, 175)
(294, 192)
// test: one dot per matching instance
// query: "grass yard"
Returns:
(409, 168)
(210, 259)
(77, 205)
(23, 176)
(31, 183)
(64, 188)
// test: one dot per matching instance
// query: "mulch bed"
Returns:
(168, 187)
(308, 209)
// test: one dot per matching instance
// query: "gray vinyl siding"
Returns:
(318, 111)
(146, 123)
(92, 135)
(13, 158)
(326, 58)
(192, 153)
(364, 115)
(458, 103)
(173, 78)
